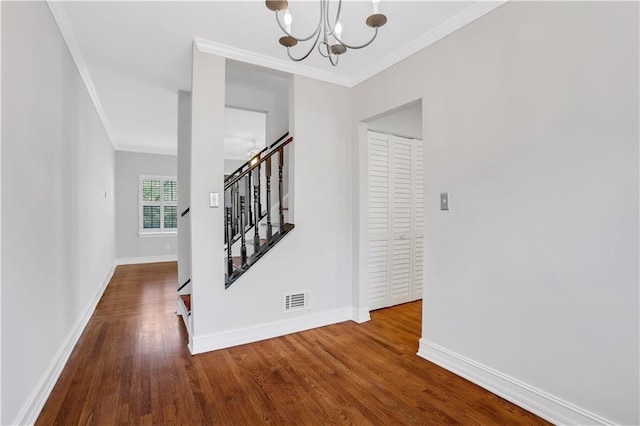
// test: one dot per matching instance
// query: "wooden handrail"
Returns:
(261, 160)
(280, 139)
(184, 285)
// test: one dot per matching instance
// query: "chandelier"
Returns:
(328, 33)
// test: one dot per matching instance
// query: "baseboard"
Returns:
(360, 315)
(147, 259)
(534, 400)
(31, 410)
(270, 330)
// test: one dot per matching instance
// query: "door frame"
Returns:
(361, 229)
(391, 237)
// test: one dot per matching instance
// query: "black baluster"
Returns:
(232, 205)
(259, 182)
(243, 244)
(268, 175)
(256, 210)
(236, 209)
(247, 193)
(229, 233)
(280, 185)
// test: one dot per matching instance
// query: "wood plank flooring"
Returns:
(132, 366)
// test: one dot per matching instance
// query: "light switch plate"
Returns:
(444, 201)
(213, 199)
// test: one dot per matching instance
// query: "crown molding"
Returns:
(465, 17)
(468, 15)
(146, 149)
(262, 60)
(60, 16)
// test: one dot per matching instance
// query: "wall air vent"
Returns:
(296, 301)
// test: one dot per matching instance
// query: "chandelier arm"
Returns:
(331, 60)
(308, 53)
(323, 43)
(331, 29)
(325, 17)
(338, 16)
(326, 44)
(375, 34)
(290, 35)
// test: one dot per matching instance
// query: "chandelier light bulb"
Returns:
(287, 20)
(338, 30)
(376, 6)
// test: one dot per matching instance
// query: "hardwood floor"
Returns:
(132, 366)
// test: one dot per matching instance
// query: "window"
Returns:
(158, 204)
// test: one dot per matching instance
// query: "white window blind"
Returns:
(158, 211)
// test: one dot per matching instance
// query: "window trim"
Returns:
(155, 232)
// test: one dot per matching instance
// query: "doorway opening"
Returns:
(392, 207)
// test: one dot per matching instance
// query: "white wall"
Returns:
(231, 166)
(184, 186)
(130, 247)
(404, 121)
(58, 217)
(258, 89)
(0, 212)
(530, 119)
(313, 257)
(207, 175)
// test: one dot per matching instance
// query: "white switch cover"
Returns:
(444, 201)
(213, 199)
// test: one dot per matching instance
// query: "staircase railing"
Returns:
(249, 202)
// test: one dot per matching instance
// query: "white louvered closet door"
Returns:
(395, 220)
(378, 247)
(401, 220)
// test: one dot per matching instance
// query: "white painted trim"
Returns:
(186, 318)
(362, 222)
(0, 210)
(157, 234)
(147, 150)
(465, 17)
(450, 26)
(226, 339)
(31, 409)
(360, 315)
(69, 36)
(260, 59)
(147, 259)
(522, 394)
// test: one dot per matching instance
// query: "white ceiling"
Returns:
(135, 56)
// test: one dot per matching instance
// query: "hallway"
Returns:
(132, 366)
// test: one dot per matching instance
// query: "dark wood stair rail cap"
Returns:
(235, 179)
(184, 285)
(266, 148)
